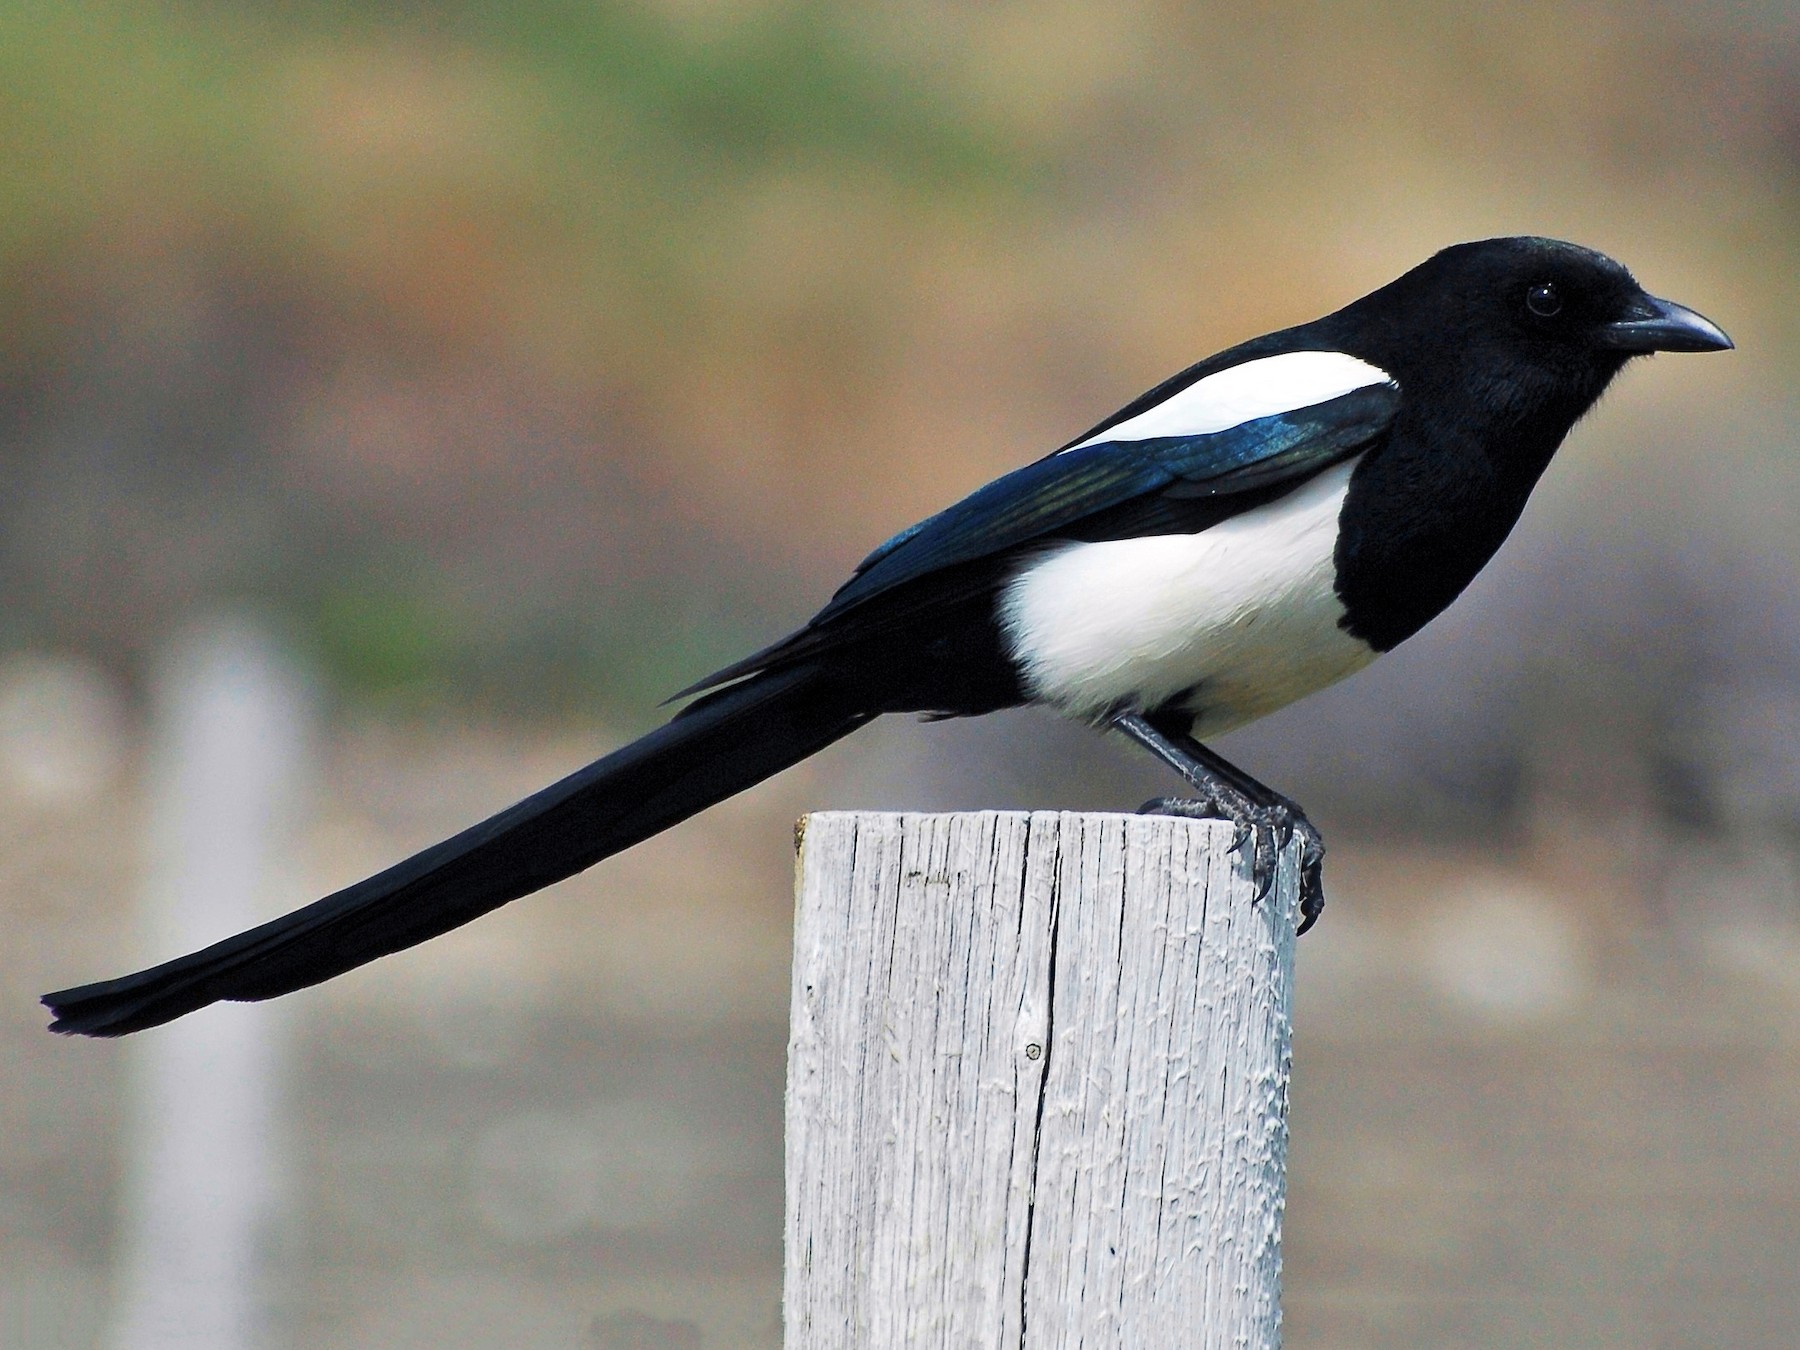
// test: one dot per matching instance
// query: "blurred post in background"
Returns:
(231, 729)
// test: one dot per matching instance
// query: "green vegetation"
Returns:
(470, 332)
(605, 143)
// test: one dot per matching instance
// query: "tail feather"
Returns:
(713, 749)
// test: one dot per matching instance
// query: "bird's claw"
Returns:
(1312, 868)
(1312, 893)
(1272, 828)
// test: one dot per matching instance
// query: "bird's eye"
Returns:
(1544, 300)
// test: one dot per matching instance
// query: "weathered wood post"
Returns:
(1037, 1084)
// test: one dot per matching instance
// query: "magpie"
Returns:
(1252, 529)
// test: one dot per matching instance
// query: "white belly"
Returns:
(1233, 622)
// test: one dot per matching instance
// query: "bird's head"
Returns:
(1527, 326)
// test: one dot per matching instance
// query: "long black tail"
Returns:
(718, 746)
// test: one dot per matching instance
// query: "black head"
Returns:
(1498, 347)
(1527, 327)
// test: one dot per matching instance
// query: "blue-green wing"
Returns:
(1055, 492)
(1055, 495)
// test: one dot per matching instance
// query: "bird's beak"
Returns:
(1664, 326)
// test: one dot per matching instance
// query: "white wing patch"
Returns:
(1232, 623)
(1243, 393)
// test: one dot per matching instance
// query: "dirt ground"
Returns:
(1547, 1095)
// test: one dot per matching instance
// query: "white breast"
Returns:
(1233, 622)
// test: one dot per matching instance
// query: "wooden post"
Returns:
(1037, 1084)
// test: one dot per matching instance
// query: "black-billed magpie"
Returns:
(1262, 524)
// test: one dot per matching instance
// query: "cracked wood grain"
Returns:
(1037, 1084)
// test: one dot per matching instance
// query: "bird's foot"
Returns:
(1268, 828)
(1265, 828)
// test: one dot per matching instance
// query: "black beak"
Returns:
(1664, 326)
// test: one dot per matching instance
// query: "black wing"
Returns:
(1055, 496)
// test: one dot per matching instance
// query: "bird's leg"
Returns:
(1228, 793)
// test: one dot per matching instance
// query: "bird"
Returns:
(1254, 528)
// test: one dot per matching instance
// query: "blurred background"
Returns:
(398, 399)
